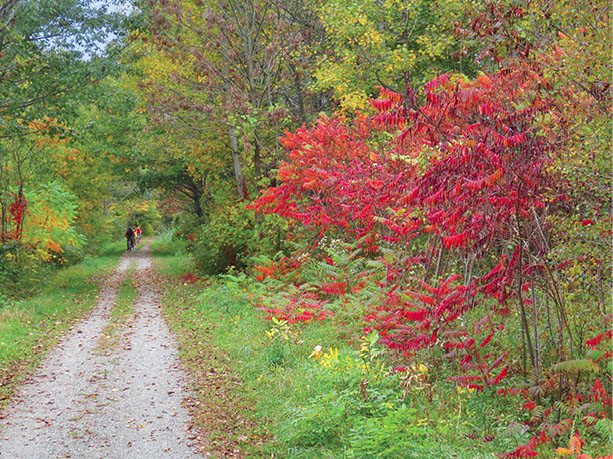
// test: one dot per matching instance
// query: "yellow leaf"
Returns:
(317, 352)
(564, 451)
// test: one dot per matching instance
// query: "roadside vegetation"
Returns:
(387, 222)
(308, 407)
(31, 326)
(321, 388)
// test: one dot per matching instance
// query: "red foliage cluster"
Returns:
(189, 278)
(307, 307)
(280, 268)
(18, 209)
(464, 166)
(485, 169)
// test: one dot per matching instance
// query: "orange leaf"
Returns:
(564, 451)
(575, 444)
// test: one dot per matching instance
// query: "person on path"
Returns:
(130, 237)
(139, 233)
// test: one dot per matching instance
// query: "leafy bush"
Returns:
(168, 244)
(21, 270)
(230, 238)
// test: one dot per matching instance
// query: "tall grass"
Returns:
(166, 245)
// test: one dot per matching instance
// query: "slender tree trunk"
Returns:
(549, 324)
(249, 50)
(437, 272)
(522, 307)
(537, 360)
(257, 156)
(197, 197)
(236, 160)
(299, 95)
(3, 221)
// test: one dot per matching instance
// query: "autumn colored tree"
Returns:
(389, 44)
(52, 59)
(458, 192)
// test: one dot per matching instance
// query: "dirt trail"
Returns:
(125, 403)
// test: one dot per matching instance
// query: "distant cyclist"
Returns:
(130, 235)
(139, 233)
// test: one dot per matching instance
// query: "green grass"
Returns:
(31, 326)
(121, 315)
(128, 291)
(166, 246)
(112, 249)
(310, 411)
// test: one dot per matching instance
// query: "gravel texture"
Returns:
(126, 402)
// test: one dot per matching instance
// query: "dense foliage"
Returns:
(425, 185)
(451, 196)
(67, 122)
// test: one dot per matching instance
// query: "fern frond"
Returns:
(574, 366)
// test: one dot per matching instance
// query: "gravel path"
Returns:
(124, 403)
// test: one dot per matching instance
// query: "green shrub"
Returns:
(398, 433)
(21, 271)
(167, 244)
(224, 241)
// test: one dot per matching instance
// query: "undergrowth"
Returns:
(320, 395)
(327, 388)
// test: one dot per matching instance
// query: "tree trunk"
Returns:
(238, 171)
(236, 161)
(299, 95)
(522, 308)
(3, 221)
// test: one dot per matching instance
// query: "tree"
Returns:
(389, 44)
(48, 50)
(51, 61)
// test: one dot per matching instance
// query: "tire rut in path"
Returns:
(126, 403)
